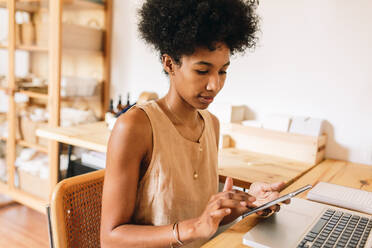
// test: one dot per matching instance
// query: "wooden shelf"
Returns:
(34, 94)
(32, 48)
(82, 4)
(36, 48)
(80, 98)
(24, 198)
(34, 146)
(35, 5)
(29, 48)
(71, 51)
(3, 88)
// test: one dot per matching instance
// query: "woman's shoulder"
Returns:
(134, 122)
(213, 118)
(214, 122)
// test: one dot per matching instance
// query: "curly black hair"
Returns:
(177, 27)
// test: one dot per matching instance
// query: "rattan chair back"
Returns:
(76, 211)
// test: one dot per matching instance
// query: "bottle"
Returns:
(128, 101)
(119, 107)
(110, 115)
(111, 108)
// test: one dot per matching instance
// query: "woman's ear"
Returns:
(168, 64)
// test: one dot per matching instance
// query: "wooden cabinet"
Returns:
(63, 43)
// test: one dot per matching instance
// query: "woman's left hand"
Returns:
(264, 192)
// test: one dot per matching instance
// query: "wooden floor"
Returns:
(21, 226)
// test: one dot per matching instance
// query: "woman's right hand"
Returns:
(228, 204)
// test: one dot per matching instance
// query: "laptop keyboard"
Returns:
(336, 229)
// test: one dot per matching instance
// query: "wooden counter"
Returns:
(243, 166)
(333, 171)
(247, 167)
(93, 136)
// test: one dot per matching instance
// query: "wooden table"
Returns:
(93, 136)
(333, 171)
(247, 167)
(243, 166)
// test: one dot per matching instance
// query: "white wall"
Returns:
(135, 67)
(313, 59)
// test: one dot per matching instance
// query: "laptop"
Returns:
(304, 223)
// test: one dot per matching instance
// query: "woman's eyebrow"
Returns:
(210, 64)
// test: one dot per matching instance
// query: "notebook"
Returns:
(341, 196)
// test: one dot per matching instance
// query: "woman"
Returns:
(161, 181)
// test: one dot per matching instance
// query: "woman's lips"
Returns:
(206, 99)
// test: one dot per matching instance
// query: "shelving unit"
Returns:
(50, 56)
(34, 146)
(34, 94)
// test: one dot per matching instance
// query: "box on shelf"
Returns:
(17, 34)
(299, 147)
(27, 33)
(28, 131)
(33, 184)
(33, 172)
(78, 86)
(73, 36)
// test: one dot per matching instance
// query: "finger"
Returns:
(275, 208)
(273, 195)
(238, 195)
(219, 214)
(264, 212)
(233, 204)
(287, 201)
(277, 186)
(245, 198)
(228, 184)
(266, 187)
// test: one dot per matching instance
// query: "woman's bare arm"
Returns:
(129, 145)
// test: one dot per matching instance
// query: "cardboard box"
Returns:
(73, 36)
(28, 131)
(33, 184)
(302, 148)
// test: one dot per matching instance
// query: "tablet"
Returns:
(278, 200)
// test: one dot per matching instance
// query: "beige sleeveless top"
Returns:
(168, 191)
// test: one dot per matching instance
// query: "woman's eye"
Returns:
(222, 72)
(201, 72)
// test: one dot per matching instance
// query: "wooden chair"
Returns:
(75, 211)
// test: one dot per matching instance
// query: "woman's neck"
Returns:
(181, 111)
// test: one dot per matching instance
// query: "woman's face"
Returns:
(200, 76)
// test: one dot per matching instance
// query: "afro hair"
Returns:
(177, 27)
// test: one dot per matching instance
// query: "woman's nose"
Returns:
(214, 83)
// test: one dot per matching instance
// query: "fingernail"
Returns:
(251, 199)
(228, 210)
(243, 203)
